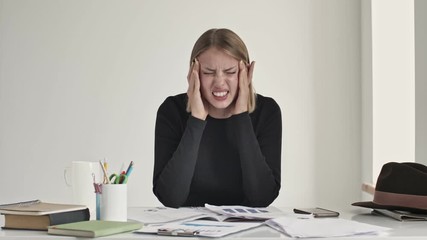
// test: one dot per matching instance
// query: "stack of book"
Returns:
(38, 215)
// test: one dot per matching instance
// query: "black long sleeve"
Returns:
(234, 161)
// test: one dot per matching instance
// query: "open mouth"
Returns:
(220, 94)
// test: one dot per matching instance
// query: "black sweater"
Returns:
(233, 161)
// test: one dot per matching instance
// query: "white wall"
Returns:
(394, 113)
(82, 80)
(420, 7)
(366, 93)
(388, 86)
(393, 82)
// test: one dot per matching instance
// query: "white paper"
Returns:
(303, 226)
(159, 215)
(201, 228)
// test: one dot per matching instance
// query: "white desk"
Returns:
(400, 230)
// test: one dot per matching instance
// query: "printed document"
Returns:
(199, 228)
(306, 226)
(248, 213)
(160, 215)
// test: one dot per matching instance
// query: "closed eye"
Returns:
(208, 73)
(231, 71)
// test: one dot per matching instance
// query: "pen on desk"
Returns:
(130, 168)
(106, 179)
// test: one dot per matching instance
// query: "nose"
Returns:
(219, 78)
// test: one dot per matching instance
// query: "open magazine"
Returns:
(198, 228)
(208, 221)
(162, 215)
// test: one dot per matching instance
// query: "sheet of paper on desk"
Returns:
(199, 228)
(159, 215)
(303, 226)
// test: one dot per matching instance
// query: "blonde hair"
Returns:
(228, 41)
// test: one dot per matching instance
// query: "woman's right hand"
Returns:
(198, 109)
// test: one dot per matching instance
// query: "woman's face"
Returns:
(219, 80)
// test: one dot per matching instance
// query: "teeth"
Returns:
(219, 94)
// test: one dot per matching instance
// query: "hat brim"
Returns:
(388, 207)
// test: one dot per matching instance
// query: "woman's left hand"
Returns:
(245, 79)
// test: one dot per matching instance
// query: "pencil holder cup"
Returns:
(113, 202)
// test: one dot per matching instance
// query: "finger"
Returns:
(196, 75)
(243, 76)
(192, 67)
(190, 71)
(251, 71)
(242, 69)
(191, 80)
(196, 70)
(190, 87)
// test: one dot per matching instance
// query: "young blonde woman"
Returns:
(219, 143)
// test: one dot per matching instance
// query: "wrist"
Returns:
(201, 116)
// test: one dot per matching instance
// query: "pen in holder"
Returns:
(98, 191)
(113, 202)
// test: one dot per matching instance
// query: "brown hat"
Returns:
(400, 186)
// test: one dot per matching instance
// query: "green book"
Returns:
(93, 228)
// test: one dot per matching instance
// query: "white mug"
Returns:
(83, 175)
